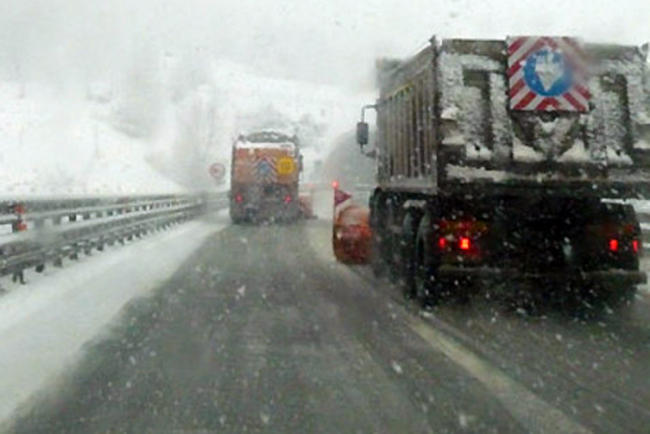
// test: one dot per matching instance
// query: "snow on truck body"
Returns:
(474, 134)
(446, 119)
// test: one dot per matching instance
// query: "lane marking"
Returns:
(533, 413)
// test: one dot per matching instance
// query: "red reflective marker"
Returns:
(613, 245)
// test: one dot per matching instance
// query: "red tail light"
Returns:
(635, 246)
(464, 244)
(239, 198)
(288, 199)
(461, 237)
(613, 245)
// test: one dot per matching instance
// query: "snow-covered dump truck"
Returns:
(264, 177)
(506, 162)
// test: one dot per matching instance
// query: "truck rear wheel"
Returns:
(621, 297)
(393, 244)
(236, 217)
(407, 249)
(623, 300)
(426, 286)
(378, 238)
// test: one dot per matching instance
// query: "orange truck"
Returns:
(264, 178)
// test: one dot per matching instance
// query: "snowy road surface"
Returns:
(44, 325)
(260, 330)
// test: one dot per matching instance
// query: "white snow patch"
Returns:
(475, 173)
(521, 152)
(454, 139)
(450, 113)
(617, 156)
(642, 144)
(577, 153)
(548, 127)
(44, 325)
(463, 420)
(396, 367)
(62, 144)
(475, 151)
(287, 146)
(643, 118)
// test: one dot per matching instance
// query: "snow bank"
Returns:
(43, 326)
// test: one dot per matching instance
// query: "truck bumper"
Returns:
(605, 279)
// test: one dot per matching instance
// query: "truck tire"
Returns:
(426, 286)
(377, 223)
(393, 243)
(407, 254)
(623, 297)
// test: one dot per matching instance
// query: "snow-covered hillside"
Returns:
(245, 100)
(155, 128)
(55, 143)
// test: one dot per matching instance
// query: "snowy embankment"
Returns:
(61, 144)
(45, 324)
(157, 131)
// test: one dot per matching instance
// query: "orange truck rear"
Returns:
(265, 177)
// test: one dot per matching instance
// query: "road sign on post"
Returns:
(217, 171)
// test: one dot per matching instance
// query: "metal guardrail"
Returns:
(41, 231)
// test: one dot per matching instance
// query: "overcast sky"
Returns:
(332, 41)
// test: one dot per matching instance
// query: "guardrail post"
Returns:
(74, 255)
(19, 225)
(18, 276)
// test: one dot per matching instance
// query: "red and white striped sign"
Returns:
(342, 200)
(547, 74)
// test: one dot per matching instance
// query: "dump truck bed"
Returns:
(526, 114)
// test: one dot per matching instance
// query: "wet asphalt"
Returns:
(262, 331)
